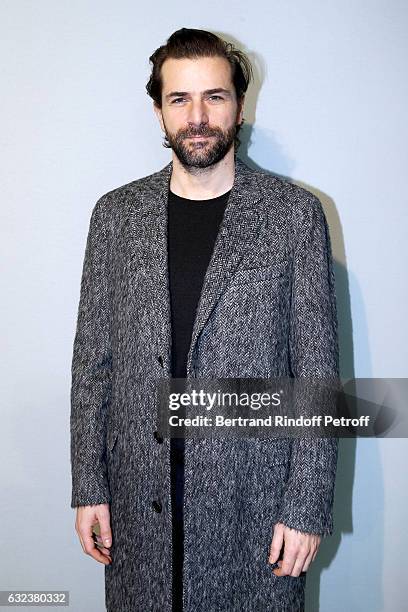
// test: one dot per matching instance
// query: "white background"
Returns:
(327, 110)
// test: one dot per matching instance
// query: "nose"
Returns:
(197, 116)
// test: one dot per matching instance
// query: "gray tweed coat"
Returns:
(267, 308)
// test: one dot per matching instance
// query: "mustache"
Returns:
(201, 133)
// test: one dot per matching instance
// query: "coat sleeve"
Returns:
(307, 502)
(91, 370)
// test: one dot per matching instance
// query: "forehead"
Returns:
(195, 74)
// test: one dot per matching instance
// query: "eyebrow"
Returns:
(207, 91)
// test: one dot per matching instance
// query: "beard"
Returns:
(201, 153)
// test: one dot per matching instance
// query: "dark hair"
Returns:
(191, 43)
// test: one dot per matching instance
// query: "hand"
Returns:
(300, 549)
(96, 546)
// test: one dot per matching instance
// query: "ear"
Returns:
(240, 114)
(159, 115)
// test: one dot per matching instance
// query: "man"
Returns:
(205, 268)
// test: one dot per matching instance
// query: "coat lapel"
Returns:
(238, 229)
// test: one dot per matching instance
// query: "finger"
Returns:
(299, 562)
(100, 557)
(308, 561)
(105, 528)
(91, 549)
(97, 540)
(276, 544)
(288, 561)
(104, 551)
(87, 537)
(99, 544)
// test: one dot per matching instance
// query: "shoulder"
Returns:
(114, 203)
(299, 204)
(296, 211)
(284, 189)
(139, 186)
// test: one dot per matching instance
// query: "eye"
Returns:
(176, 100)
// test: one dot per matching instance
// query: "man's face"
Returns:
(190, 108)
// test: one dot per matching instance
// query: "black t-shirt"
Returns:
(192, 229)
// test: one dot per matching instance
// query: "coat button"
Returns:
(160, 360)
(158, 437)
(157, 507)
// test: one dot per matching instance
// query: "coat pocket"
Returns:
(244, 276)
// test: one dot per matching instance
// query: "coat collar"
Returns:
(238, 229)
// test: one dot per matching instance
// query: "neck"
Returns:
(203, 183)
